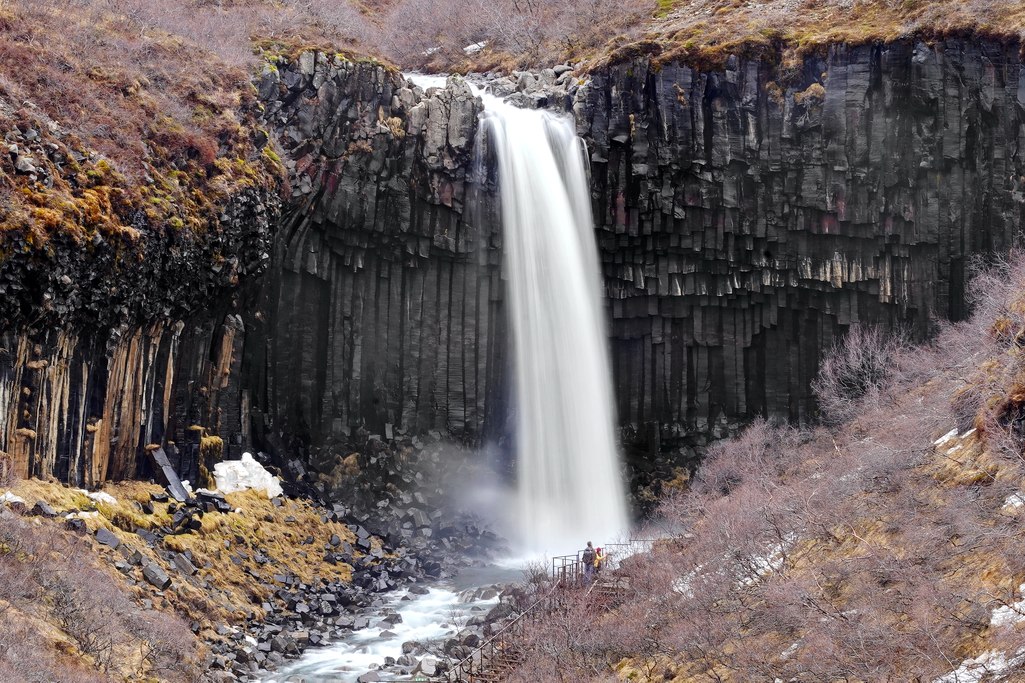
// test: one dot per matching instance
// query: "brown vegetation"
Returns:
(874, 550)
(133, 114)
(66, 619)
(432, 34)
(856, 370)
(705, 32)
(61, 595)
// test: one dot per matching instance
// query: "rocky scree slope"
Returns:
(227, 587)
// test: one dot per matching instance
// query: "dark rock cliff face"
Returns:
(743, 226)
(383, 305)
(122, 357)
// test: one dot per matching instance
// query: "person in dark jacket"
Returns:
(587, 558)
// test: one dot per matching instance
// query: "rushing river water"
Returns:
(569, 488)
(432, 617)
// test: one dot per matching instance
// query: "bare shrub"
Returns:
(531, 32)
(855, 370)
(862, 551)
(53, 577)
(24, 658)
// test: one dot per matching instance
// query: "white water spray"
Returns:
(569, 483)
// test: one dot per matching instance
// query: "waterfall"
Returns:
(569, 487)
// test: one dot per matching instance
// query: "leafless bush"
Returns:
(24, 657)
(856, 552)
(531, 32)
(855, 370)
(52, 576)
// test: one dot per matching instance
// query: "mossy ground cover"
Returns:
(231, 584)
(127, 129)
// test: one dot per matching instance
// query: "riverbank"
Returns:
(420, 630)
(254, 581)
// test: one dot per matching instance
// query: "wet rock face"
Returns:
(382, 306)
(743, 226)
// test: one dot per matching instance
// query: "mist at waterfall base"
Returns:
(569, 487)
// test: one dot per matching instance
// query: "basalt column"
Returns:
(748, 216)
(382, 310)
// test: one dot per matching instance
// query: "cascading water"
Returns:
(569, 488)
(569, 484)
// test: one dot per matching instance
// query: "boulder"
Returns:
(43, 509)
(107, 538)
(183, 564)
(156, 576)
(25, 164)
(428, 666)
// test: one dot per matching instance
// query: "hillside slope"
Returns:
(887, 547)
(706, 32)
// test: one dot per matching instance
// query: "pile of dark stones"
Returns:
(397, 497)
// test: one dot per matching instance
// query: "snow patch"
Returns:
(1009, 614)
(945, 438)
(475, 48)
(991, 663)
(770, 563)
(245, 474)
(10, 498)
(1013, 502)
(101, 497)
(683, 584)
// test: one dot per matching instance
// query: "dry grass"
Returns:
(705, 32)
(145, 112)
(136, 126)
(223, 591)
(67, 617)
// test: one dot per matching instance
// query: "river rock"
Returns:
(156, 576)
(43, 509)
(107, 538)
(428, 666)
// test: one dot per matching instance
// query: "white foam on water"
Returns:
(438, 614)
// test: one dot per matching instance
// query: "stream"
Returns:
(440, 613)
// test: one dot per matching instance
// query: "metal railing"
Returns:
(476, 664)
(567, 571)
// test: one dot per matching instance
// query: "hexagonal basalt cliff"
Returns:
(744, 223)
